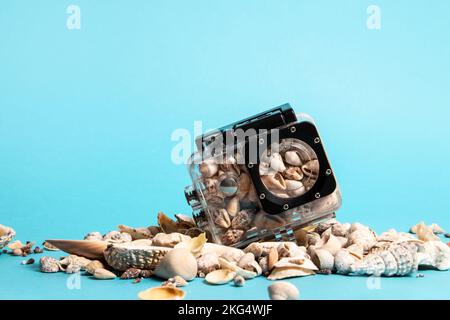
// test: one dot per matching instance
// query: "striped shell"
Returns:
(129, 255)
(395, 260)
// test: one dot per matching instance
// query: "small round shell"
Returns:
(283, 291)
(162, 293)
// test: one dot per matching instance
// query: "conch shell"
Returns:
(135, 254)
(397, 260)
(162, 293)
(6, 235)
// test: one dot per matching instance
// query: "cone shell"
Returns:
(132, 255)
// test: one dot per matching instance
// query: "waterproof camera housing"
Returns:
(262, 178)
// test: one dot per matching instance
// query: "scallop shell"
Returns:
(194, 245)
(6, 235)
(134, 255)
(283, 291)
(311, 168)
(177, 262)
(274, 182)
(293, 158)
(162, 293)
(221, 276)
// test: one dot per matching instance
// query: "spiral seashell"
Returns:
(134, 255)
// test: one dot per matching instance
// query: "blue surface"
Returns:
(86, 118)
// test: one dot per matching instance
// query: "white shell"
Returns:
(283, 291)
(208, 168)
(435, 254)
(162, 293)
(233, 206)
(6, 235)
(323, 259)
(293, 158)
(276, 163)
(220, 276)
(177, 262)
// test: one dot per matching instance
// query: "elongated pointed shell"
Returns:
(134, 255)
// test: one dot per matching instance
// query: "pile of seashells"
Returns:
(231, 195)
(177, 258)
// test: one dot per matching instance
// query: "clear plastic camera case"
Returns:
(274, 181)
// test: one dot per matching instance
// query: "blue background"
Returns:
(86, 118)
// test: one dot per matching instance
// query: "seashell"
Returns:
(194, 245)
(207, 263)
(340, 229)
(283, 273)
(264, 264)
(136, 233)
(274, 182)
(293, 173)
(94, 265)
(272, 258)
(185, 221)
(90, 249)
(212, 186)
(193, 232)
(322, 258)
(276, 162)
(166, 224)
(242, 220)
(103, 274)
(221, 218)
(247, 274)
(169, 239)
(117, 237)
(82, 262)
(343, 241)
(434, 254)
(239, 281)
(293, 158)
(177, 281)
(136, 254)
(290, 249)
(364, 237)
(244, 185)
(396, 260)
(73, 268)
(311, 168)
(208, 168)
(255, 248)
(332, 244)
(425, 233)
(283, 291)
(437, 229)
(295, 188)
(179, 262)
(221, 276)
(6, 235)
(232, 236)
(15, 245)
(94, 236)
(49, 264)
(394, 236)
(296, 262)
(246, 260)
(321, 227)
(343, 260)
(356, 250)
(229, 253)
(233, 206)
(162, 293)
(357, 226)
